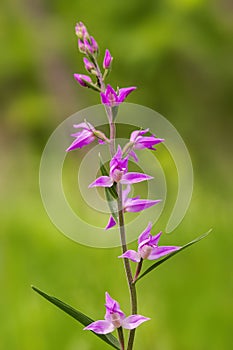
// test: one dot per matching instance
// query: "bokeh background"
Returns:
(179, 54)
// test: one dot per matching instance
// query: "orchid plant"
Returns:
(117, 182)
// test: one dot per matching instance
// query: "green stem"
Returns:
(139, 267)
(132, 288)
(121, 338)
(112, 131)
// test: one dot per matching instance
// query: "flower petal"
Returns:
(136, 133)
(83, 138)
(155, 239)
(134, 321)
(84, 125)
(100, 327)
(145, 234)
(110, 223)
(124, 92)
(132, 255)
(104, 99)
(158, 252)
(137, 205)
(112, 306)
(133, 155)
(133, 178)
(102, 181)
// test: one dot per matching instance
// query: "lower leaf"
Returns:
(79, 316)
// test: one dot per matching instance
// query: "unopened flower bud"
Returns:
(94, 45)
(88, 65)
(83, 80)
(107, 60)
(81, 30)
(100, 135)
(81, 46)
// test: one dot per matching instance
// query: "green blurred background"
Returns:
(179, 54)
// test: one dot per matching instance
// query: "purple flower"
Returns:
(132, 205)
(140, 141)
(86, 136)
(119, 173)
(83, 80)
(89, 66)
(148, 247)
(111, 98)
(107, 60)
(115, 318)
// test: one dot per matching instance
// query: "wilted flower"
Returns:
(107, 60)
(119, 173)
(111, 98)
(115, 318)
(148, 247)
(86, 136)
(132, 205)
(83, 80)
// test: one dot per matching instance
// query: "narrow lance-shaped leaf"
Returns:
(104, 172)
(79, 316)
(110, 192)
(159, 262)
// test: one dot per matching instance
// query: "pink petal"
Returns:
(158, 252)
(102, 181)
(125, 193)
(112, 306)
(83, 138)
(84, 125)
(100, 327)
(134, 156)
(134, 321)
(155, 239)
(137, 205)
(137, 133)
(145, 234)
(132, 255)
(110, 223)
(132, 178)
(124, 92)
(104, 99)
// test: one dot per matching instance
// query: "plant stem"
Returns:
(112, 130)
(139, 267)
(132, 288)
(121, 338)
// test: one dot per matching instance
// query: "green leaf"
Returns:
(110, 192)
(80, 317)
(159, 262)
